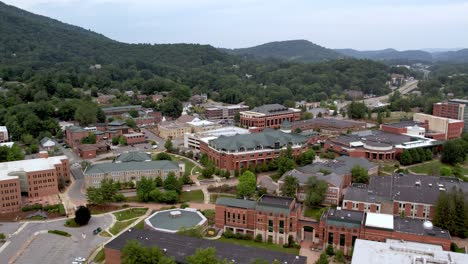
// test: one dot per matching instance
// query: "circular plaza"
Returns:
(173, 220)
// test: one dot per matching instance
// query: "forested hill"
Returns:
(389, 55)
(40, 41)
(291, 50)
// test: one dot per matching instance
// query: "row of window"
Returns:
(10, 204)
(8, 185)
(342, 239)
(8, 191)
(12, 197)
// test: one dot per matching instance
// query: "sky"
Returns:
(357, 24)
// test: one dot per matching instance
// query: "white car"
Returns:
(80, 259)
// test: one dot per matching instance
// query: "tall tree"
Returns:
(247, 184)
(82, 215)
(316, 190)
(289, 186)
(134, 253)
(359, 174)
(205, 256)
(171, 183)
(454, 151)
(144, 187)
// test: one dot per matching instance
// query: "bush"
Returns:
(31, 207)
(330, 251)
(339, 256)
(184, 205)
(2, 236)
(239, 236)
(119, 198)
(270, 240)
(258, 238)
(59, 232)
(71, 223)
(228, 233)
(248, 237)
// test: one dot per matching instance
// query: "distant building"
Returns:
(120, 110)
(173, 130)
(449, 110)
(465, 111)
(337, 174)
(403, 252)
(198, 99)
(203, 125)
(74, 135)
(133, 156)
(134, 138)
(34, 177)
(224, 112)
(105, 99)
(328, 126)
(4, 134)
(242, 151)
(269, 116)
(397, 79)
(353, 94)
(451, 128)
(412, 195)
(47, 143)
(131, 171)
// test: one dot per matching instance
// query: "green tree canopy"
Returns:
(454, 151)
(359, 174)
(134, 253)
(247, 184)
(171, 183)
(289, 186)
(144, 187)
(316, 190)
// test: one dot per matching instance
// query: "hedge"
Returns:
(59, 232)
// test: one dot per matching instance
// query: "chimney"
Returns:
(43, 154)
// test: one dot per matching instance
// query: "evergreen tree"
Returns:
(289, 186)
(405, 158)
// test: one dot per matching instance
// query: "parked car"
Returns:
(97, 231)
(80, 259)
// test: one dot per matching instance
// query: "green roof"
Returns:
(131, 166)
(134, 156)
(266, 139)
(75, 129)
(234, 202)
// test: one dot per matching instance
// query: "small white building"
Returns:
(47, 143)
(4, 134)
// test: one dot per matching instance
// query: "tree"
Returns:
(168, 145)
(415, 156)
(330, 250)
(247, 184)
(86, 113)
(208, 172)
(237, 118)
(144, 187)
(104, 194)
(357, 110)
(155, 195)
(122, 141)
(204, 256)
(359, 174)
(316, 190)
(163, 156)
(82, 215)
(323, 259)
(454, 151)
(133, 113)
(451, 212)
(289, 186)
(428, 154)
(131, 123)
(171, 183)
(169, 197)
(307, 157)
(286, 161)
(405, 158)
(134, 253)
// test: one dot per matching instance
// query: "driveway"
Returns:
(24, 247)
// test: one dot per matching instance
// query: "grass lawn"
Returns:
(105, 234)
(215, 196)
(314, 212)
(195, 196)
(130, 213)
(119, 226)
(131, 199)
(389, 168)
(100, 256)
(140, 225)
(71, 223)
(433, 168)
(251, 243)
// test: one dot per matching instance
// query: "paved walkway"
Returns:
(312, 256)
(158, 206)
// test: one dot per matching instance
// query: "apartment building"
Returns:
(35, 178)
(224, 112)
(337, 174)
(242, 151)
(120, 110)
(413, 196)
(449, 110)
(465, 112)
(269, 116)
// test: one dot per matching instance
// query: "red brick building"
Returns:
(74, 135)
(224, 112)
(242, 151)
(449, 110)
(135, 138)
(414, 196)
(36, 177)
(271, 116)
(328, 126)
(447, 127)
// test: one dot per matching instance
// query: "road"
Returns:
(407, 88)
(24, 247)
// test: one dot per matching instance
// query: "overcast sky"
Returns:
(358, 24)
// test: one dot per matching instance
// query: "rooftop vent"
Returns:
(418, 183)
(429, 184)
(442, 189)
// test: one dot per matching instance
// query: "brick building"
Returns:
(328, 126)
(224, 112)
(4, 134)
(271, 116)
(74, 135)
(273, 217)
(34, 178)
(120, 110)
(242, 151)
(412, 195)
(173, 130)
(337, 174)
(450, 128)
(465, 114)
(135, 138)
(449, 110)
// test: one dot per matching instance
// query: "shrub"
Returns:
(248, 237)
(119, 198)
(71, 223)
(339, 256)
(228, 233)
(270, 240)
(184, 205)
(82, 215)
(59, 232)
(239, 236)
(31, 207)
(258, 238)
(2, 236)
(330, 251)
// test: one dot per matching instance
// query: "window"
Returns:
(270, 225)
(342, 240)
(330, 238)
(281, 226)
(353, 240)
(243, 219)
(229, 217)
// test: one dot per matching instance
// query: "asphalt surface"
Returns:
(50, 248)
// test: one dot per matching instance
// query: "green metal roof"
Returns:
(134, 156)
(266, 139)
(75, 129)
(234, 202)
(131, 166)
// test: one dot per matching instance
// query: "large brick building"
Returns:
(34, 178)
(328, 126)
(450, 128)
(275, 218)
(449, 110)
(337, 174)
(271, 116)
(411, 195)
(224, 112)
(465, 114)
(242, 151)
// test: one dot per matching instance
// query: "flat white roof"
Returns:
(403, 252)
(7, 144)
(29, 165)
(3, 129)
(384, 221)
(201, 123)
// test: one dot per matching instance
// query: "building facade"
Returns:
(192, 140)
(269, 116)
(449, 110)
(243, 151)
(328, 126)
(4, 134)
(135, 138)
(173, 130)
(224, 112)
(451, 128)
(465, 114)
